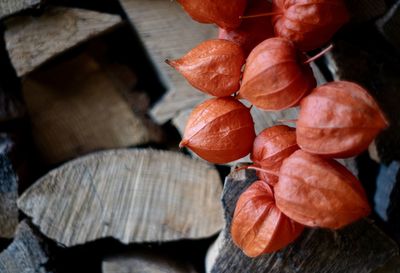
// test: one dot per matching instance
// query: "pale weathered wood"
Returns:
(26, 254)
(31, 41)
(360, 247)
(133, 195)
(75, 108)
(8, 7)
(144, 262)
(8, 192)
(168, 33)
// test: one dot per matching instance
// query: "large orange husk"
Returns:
(224, 13)
(309, 23)
(338, 119)
(275, 76)
(251, 31)
(220, 130)
(319, 192)
(213, 67)
(258, 226)
(271, 147)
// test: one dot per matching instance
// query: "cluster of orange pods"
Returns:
(300, 182)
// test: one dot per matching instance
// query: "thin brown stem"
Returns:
(262, 170)
(259, 15)
(319, 55)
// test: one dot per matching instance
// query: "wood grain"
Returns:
(8, 197)
(133, 195)
(144, 262)
(360, 247)
(75, 108)
(26, 254)
(31, 41)
(8, 7)
(168, 33)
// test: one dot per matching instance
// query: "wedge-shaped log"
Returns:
(360, 247)
(168, 33)
(32, 41)
(136, 195)
(25, 254)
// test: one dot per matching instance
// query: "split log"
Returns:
(142, 262)
(360, 247)
(133, 195)
(75, 108)
(26, 253)
(365, 10)
(168, 33)
(32, 41)
(8, 192)
(8, 7)
(389, 25)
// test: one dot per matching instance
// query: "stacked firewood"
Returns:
(91, 177)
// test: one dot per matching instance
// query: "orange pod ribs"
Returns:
(310, 24)
(338, 119)
(271, 147)
(220, 130)
(258, 226)
(214, 67)
(319, 192)
(275, 76)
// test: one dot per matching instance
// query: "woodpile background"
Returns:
(91, 177)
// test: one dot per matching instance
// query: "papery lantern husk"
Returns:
(251, 31)
(214, 67)
(258, 226)
(220, 130)
(310, 24)
(224, 13)
(338, 119)
(275, 76)
(319, 192)
(270, 148)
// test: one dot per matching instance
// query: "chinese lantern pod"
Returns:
(213, 67)
(275, 76)
(338, 119)
(224, 13)
(271, 147)
(310, 24)
(319, 192)
(251, 31)
(258, 226)
(220, 130)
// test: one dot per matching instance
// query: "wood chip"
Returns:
(31, 41)
(75, 108)
(26, 253)
(360, 247)
(168, 33)
(8, 197)
(135, 196)
(142, 262)
(8, 7)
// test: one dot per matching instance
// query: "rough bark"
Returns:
(135, 196)
(8, 7)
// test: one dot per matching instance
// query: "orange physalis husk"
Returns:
(309, 23)
(319, 192)
(220, 130)
(338, 119)
(258, 226)
(251, 31)
(271, 147)
(275, 76)
(213, 67)
(224, 13)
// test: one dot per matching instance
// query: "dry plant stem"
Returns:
(260, 15)
(262, 170)
(319, 55)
